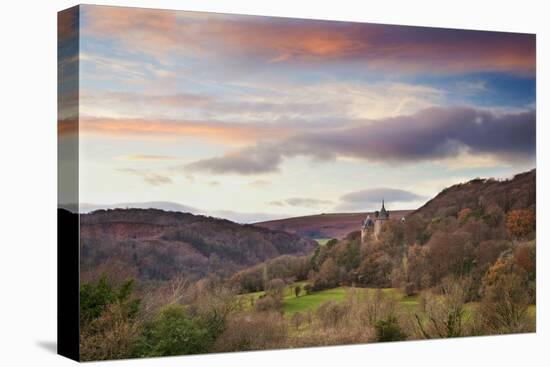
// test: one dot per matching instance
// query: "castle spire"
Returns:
(383, 214)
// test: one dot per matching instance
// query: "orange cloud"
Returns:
(231, 134)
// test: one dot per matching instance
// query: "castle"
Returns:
(371, 228)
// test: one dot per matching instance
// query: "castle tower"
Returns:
(372, 228)
(381, 217)
(367, 229)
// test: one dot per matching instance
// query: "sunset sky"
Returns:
(253, 117)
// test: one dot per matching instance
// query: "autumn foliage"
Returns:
(520, 222)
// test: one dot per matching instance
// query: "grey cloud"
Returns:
(307, 202)
(246, 162)
(371, 198)
(301, 202)
(151, 178)
(431, 134)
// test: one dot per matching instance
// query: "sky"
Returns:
(253, 118)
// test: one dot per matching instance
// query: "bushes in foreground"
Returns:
(173, 332)
(210, 317)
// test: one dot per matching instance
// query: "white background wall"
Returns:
(28, 182)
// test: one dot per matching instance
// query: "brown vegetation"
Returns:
(153, 245)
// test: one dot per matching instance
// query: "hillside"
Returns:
(518, 192)
(334, 225)
(153, 244)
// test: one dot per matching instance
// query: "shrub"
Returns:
(388, 330)
(442, 315)
(297, 319)
(253, 331)
(331, 314)
(269, 302)
(109, 336)
(173, 332)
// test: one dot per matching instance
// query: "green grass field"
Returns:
(322, 241)
(310, 302)
(306, 302)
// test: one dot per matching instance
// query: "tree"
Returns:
(328, 276)
(525, 256)
(173, 332)
(375, 269)
(414, 272)
(108, 325)
(505, 299)
(95, 297)
(275, 287)
(520, 222)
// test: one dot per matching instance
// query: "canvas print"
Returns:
(235, 183)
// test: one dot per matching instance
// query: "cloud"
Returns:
(275, 41)
(146, 157)
(250, 161)
(433, 134)
(151, 178)
(281, 102)
(130, 100)
(370, 198)
(307, 202)
(233, 134)
(259, 184)
(301, 202)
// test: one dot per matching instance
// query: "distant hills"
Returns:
(152, 244)
(333, 225)
(239, 217)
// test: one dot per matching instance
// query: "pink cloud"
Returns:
(283, 40)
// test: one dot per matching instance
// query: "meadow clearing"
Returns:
(305, 302)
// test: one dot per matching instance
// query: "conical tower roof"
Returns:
(384, 214)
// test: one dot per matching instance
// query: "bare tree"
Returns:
(443, 315)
